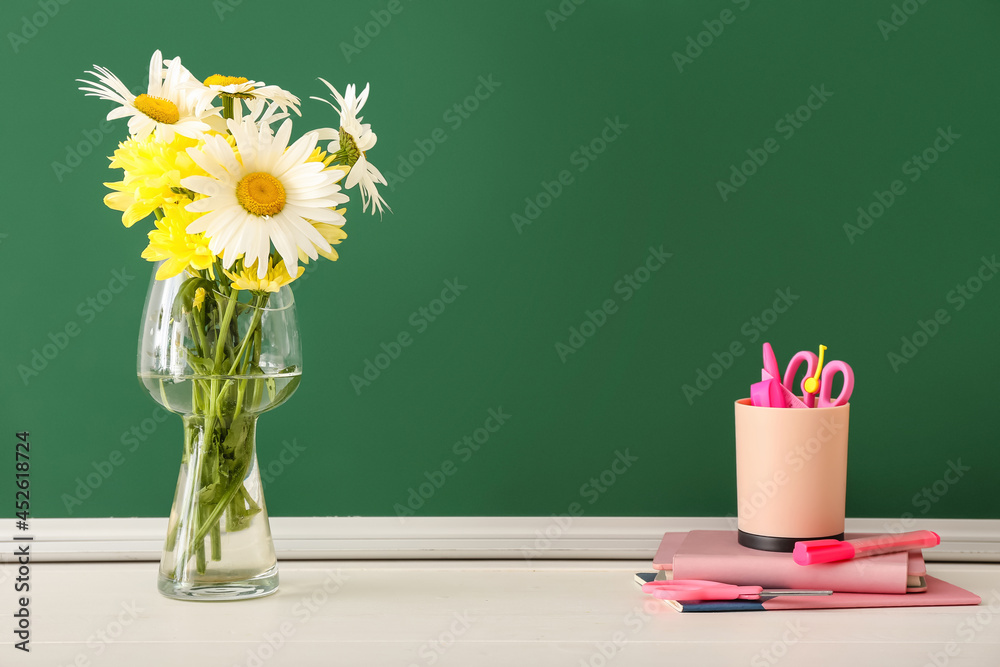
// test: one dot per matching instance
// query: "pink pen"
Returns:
(828, 551)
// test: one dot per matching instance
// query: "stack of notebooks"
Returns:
(888, 580)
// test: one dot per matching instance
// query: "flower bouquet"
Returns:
(237, 206)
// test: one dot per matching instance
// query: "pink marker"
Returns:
(828, 551)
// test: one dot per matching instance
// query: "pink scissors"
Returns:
(819, 383)
(698, 589)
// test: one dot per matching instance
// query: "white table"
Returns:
(474, 614)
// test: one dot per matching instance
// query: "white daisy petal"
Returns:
(282, 235)
(155, 74)
(295, 154)
(200, 224)
(262, 243)
(120, 112)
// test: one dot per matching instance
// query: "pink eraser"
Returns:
(767, 394)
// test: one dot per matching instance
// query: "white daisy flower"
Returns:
(351, 142)
(167, 106)
(241, 88)
(265, 194)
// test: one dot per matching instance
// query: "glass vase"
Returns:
(219, 357)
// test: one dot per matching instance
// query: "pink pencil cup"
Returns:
(791, 474)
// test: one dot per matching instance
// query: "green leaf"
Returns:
(238, 442)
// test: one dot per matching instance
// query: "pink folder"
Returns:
(715, 555)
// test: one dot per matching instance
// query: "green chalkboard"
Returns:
(600, 211)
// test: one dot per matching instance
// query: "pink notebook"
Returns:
(715, 555)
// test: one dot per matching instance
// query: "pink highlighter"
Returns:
(828, 551)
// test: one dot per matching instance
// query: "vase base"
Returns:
(255, 587)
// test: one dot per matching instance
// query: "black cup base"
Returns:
(782, 544)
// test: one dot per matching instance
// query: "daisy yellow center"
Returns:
(157, 108)
(219, 80)
(260, 194)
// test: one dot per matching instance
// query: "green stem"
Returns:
(199, 552)
(257, 314)
(216, 536)
(223, 332)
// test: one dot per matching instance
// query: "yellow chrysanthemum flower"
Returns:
(170, 242)
(153, 173)
(245, 278)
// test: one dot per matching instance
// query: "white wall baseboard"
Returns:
(357, 538)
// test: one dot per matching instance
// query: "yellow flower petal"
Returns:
(170, 241)
(119, 201)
